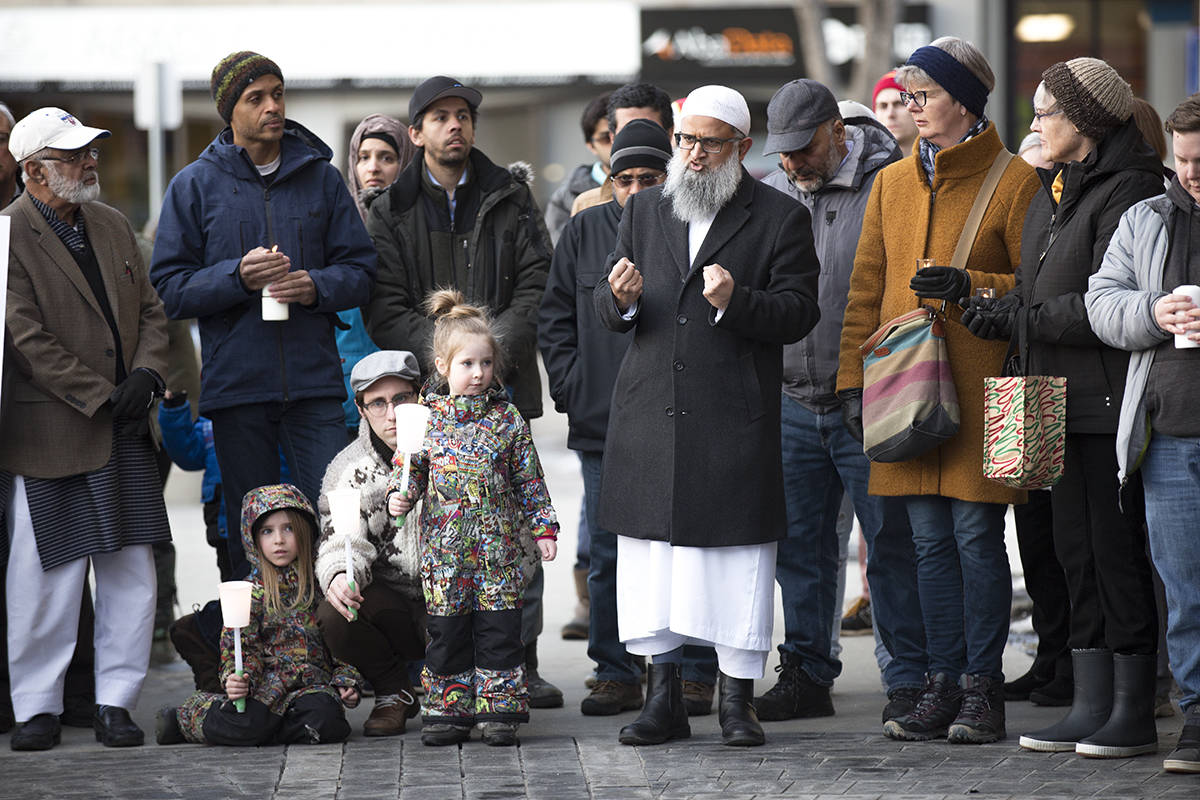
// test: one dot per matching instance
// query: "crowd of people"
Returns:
(701, 330)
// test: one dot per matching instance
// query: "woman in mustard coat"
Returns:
(917, 209)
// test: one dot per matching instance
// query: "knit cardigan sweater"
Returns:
(907, 219)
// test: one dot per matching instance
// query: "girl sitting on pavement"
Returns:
(483, 484)
(294, 690)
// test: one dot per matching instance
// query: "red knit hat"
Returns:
(888, 81)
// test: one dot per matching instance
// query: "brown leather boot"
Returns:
(390, 713)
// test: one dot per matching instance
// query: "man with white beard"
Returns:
(714, 273)
(78, 480)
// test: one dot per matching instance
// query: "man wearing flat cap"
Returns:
(453, 219)
(829, 164)
(378, 624)
(78, 479)
(263, 212)
(714, 273)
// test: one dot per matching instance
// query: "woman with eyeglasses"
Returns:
(1082, 113)
(917, 209)
(379, 150)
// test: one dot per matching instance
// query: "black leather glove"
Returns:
(989, 318)
(132, 398)
(176, 399)
(852, 412)
(943, 283)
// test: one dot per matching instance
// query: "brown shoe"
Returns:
(390, 713)
(611, 697)
(697, 698)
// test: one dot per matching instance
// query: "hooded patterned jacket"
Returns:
(283, 653)
(482, 481)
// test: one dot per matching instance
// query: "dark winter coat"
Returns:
(507, 258)
(581, 355)
(693, 452)
(217, 209)
(1060, 249)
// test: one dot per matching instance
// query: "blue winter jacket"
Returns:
(216, 210)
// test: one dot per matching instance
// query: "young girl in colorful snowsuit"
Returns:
(294, 690)
(483, 487)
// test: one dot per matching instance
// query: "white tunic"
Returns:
(668, 596)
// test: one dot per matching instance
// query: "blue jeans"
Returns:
(249, 440)
(965, 583)
(822, 461)
(1171, 478)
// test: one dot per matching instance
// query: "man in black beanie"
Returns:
(582, 358)
(262, 223)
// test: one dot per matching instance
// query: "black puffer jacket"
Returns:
(1060, 249)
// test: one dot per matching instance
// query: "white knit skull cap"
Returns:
(718, 102)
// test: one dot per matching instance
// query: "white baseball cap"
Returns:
(50, 127)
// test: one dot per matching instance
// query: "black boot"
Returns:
(735, 710)
(1130, 730)
(663, 716)
(1090, 708)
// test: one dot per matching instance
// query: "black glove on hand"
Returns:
(943, 283)
(852, 412)
(988, 318)
(176, 399)
(132, 398)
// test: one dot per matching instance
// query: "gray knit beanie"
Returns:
(1091, 93)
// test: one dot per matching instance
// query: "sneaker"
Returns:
(390, 713)
(857, 621)
(166, 726)
(443, 734)
(981, 714)
(795, 695)
(697, 698)
(1186, 755)
(499, 734)
(901, 701)
(542, 693)
(611, 697)
(931, 717)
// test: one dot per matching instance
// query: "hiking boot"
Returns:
(542, 693)
(901, 701)
(1186, 755)
(794, 695)
(166, 726)
(857, 621)
(443, 734)
(499, 734)
(936, 708)
(390, 713)
(981, 714)
(611, 697)
(697, 698)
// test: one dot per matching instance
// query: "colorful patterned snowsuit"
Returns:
(483, 487)
(293, 698)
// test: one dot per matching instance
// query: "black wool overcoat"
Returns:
(693, 449)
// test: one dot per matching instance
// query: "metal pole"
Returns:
(156, 154)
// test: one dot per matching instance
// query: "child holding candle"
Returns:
(294, 690)
(483, 486)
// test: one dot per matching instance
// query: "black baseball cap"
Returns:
(436, 88)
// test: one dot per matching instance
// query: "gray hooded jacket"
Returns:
(810, 365)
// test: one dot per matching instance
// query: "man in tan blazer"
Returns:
(77, 474)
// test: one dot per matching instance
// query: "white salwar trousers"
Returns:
(724, 597)
(43, 619)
